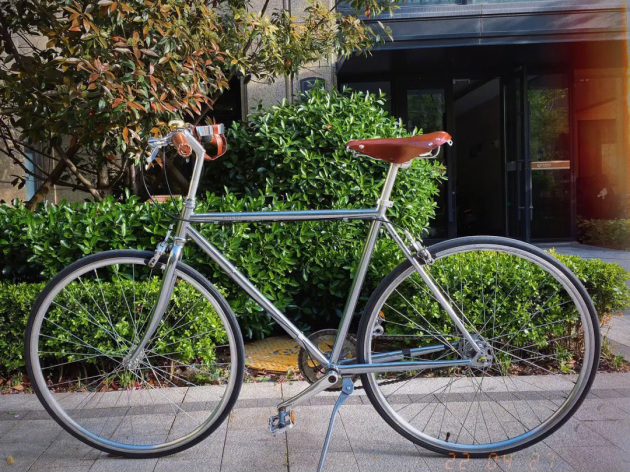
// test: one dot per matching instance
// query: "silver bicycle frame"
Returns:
(385, 363)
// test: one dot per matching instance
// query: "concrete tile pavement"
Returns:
(596, 438)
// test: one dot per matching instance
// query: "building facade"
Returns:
(535, 95)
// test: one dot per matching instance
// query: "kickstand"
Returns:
(347, 388)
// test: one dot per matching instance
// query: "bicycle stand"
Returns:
(347, 388)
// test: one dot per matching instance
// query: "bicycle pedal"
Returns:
(282, 422)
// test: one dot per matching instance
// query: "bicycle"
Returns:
(477, 346)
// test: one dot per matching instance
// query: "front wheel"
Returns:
(87, 321)
(531, 313)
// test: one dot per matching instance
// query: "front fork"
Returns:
(136, 354)
(132, 360)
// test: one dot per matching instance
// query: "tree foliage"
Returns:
(91, 80)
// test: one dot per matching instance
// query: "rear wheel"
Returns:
(534, 316)
(89, 318)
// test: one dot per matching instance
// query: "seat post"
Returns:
(388, 186)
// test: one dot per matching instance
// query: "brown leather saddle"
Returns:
(400, 150)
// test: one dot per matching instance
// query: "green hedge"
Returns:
(67, 321)
(605, 283)
(607, 233)
(291, 157)
(511, 298)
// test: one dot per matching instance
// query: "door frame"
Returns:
(401, 85)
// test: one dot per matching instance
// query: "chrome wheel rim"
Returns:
(181, 401)
(418, 431)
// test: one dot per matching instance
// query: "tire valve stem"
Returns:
(448, 435)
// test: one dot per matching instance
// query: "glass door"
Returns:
(549, 149)
(425, 109)
(516, 157)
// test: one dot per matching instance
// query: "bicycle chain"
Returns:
(392, 338)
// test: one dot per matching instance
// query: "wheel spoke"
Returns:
(169, 395)
(508, 301)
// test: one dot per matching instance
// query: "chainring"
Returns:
(324, 340)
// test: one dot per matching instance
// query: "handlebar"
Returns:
(185, 140)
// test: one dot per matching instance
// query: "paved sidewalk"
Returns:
(597, 438)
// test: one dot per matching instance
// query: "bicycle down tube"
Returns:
(377, 216)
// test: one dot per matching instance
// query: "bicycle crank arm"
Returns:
(326, 381)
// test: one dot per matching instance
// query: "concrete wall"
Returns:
(8, 171)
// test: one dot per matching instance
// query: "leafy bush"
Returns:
(607, 233)
(511, 301)
(297, 152)
(605, 282)
(68, 321)
(291, 157)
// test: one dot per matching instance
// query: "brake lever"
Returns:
(151, 158)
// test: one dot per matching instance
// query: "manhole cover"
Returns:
(274, 354)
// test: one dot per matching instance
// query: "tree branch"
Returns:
(76, 172)
(6, 38)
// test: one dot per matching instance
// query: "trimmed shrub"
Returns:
(291, 157)
(605, 283)
(607, 233)
(521, 295)
(68, 322)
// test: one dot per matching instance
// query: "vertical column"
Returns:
(626, 111)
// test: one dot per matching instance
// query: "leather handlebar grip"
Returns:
(181, 144)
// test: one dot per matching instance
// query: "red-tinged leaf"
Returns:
(92, 86)
(75, 28)
(93, 77)
(125, 134)
(86, 25)
(117, 101)
(113, 7)
(137, 106)
(118, 38)
(149, 52)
